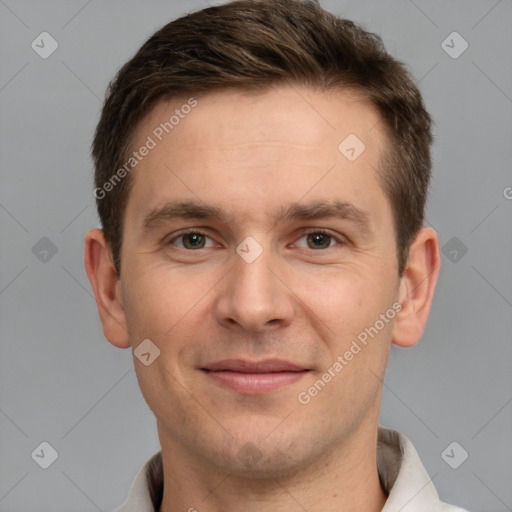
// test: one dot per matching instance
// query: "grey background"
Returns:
(62, 382)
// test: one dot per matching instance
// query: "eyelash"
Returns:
(307, 231)
(339, 239)
(185, 232)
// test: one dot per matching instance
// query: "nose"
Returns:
(253, 297)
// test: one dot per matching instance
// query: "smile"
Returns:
(254, 377)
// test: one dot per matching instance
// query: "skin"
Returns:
(249, 155)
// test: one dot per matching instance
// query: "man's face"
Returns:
(270, 167)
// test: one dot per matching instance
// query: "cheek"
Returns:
(162, 308)
(344, 299)
(346, 309)
(158, 301)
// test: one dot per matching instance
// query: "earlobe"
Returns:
(417, 286)
(106, 287)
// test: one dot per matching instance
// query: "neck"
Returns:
(345, 479)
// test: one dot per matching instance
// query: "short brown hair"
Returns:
(253, 45)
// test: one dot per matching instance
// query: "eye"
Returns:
(317, 239)
(192, 240)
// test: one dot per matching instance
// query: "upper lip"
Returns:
(245, 366)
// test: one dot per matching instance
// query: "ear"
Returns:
(107, 288)
(416, 288)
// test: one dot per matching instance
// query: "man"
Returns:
(261, 175)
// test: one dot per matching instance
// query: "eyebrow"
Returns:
(182, 210)
(322, 209)
(292, 212)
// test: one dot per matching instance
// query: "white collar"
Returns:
(403, 477)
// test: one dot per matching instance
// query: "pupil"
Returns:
(319, 239)
(194, 240)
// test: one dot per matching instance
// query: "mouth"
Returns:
(252, 377)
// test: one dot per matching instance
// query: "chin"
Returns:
(264, 459)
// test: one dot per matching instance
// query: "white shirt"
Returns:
(401, 472)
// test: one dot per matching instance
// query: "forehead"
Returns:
(290, 114)
(251, 147)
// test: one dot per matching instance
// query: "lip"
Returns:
(254, 377)
(245, 366)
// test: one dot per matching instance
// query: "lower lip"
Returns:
(254, 383)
